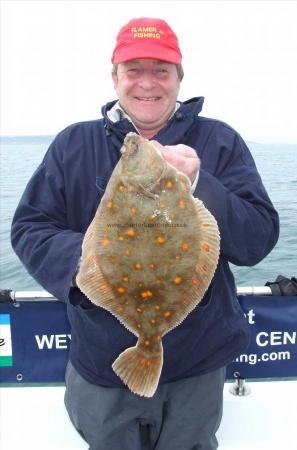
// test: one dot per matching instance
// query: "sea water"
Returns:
(20, 156)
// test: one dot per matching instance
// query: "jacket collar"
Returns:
(117, 113)
(174, 132)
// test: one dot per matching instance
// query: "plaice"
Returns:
(148, 256)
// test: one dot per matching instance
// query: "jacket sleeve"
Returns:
(234, 193)
(40, 234)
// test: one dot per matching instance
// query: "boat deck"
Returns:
(35, 417)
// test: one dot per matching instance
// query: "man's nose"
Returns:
(147, 81)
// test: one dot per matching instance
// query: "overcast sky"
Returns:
(240, 55)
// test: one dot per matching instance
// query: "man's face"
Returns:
(147, 91)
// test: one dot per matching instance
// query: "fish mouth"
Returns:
(130, 145)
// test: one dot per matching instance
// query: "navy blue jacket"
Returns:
(61, 199)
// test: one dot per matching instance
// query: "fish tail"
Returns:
(139, 370)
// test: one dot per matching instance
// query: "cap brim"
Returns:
(130, 52)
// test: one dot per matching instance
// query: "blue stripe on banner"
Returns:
(4, 319)
(41, 340)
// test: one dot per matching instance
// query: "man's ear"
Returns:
(114, 80)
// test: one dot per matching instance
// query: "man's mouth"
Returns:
(148, 99)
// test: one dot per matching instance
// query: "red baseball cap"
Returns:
(146, 38)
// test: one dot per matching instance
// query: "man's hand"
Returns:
(182, 157)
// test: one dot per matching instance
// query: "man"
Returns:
(60, 202)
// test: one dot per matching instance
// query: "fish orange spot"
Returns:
(137, 265)
(120, 309)
(138, 326)
(162, 205)
(148, 362)
(142, 360)
(121, 188)
(153, 321)
(177, 279)
(205, 267)
(153, 216)
(167, 313)
(205, 247)
(133, 210)
(106, 242)
(146, 294)
(125, 279)
(103, 287)
(152, 266)
(140, 284)
(185, 246)
(160, 239)
(139, 310)
(126, 302)
(158, 338)
(205, 225)
(131, 232)
(157, 307)
(185, 302)
(195, 281)
(147, 343)
(169, 184)
(127, 252)
(177, 256)
(121, 290)
(121, 238)
(181, 204)
(109, 205)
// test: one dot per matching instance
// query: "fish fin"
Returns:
(209, 242)
(90, 278)
(207, 255)
(95, 284)
(92, 282)
(139, 370)
(96, 287)
(207, 261)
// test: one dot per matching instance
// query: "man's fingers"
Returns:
(180, 149)
(181, 156)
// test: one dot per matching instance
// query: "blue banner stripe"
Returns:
(41, 340)
(4, 319)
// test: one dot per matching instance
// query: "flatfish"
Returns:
(148, 256)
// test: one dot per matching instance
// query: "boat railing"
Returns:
(7, 295)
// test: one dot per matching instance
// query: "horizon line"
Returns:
(250, 140)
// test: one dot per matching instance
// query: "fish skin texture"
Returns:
(148, 256)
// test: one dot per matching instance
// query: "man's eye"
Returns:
(161, 70)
